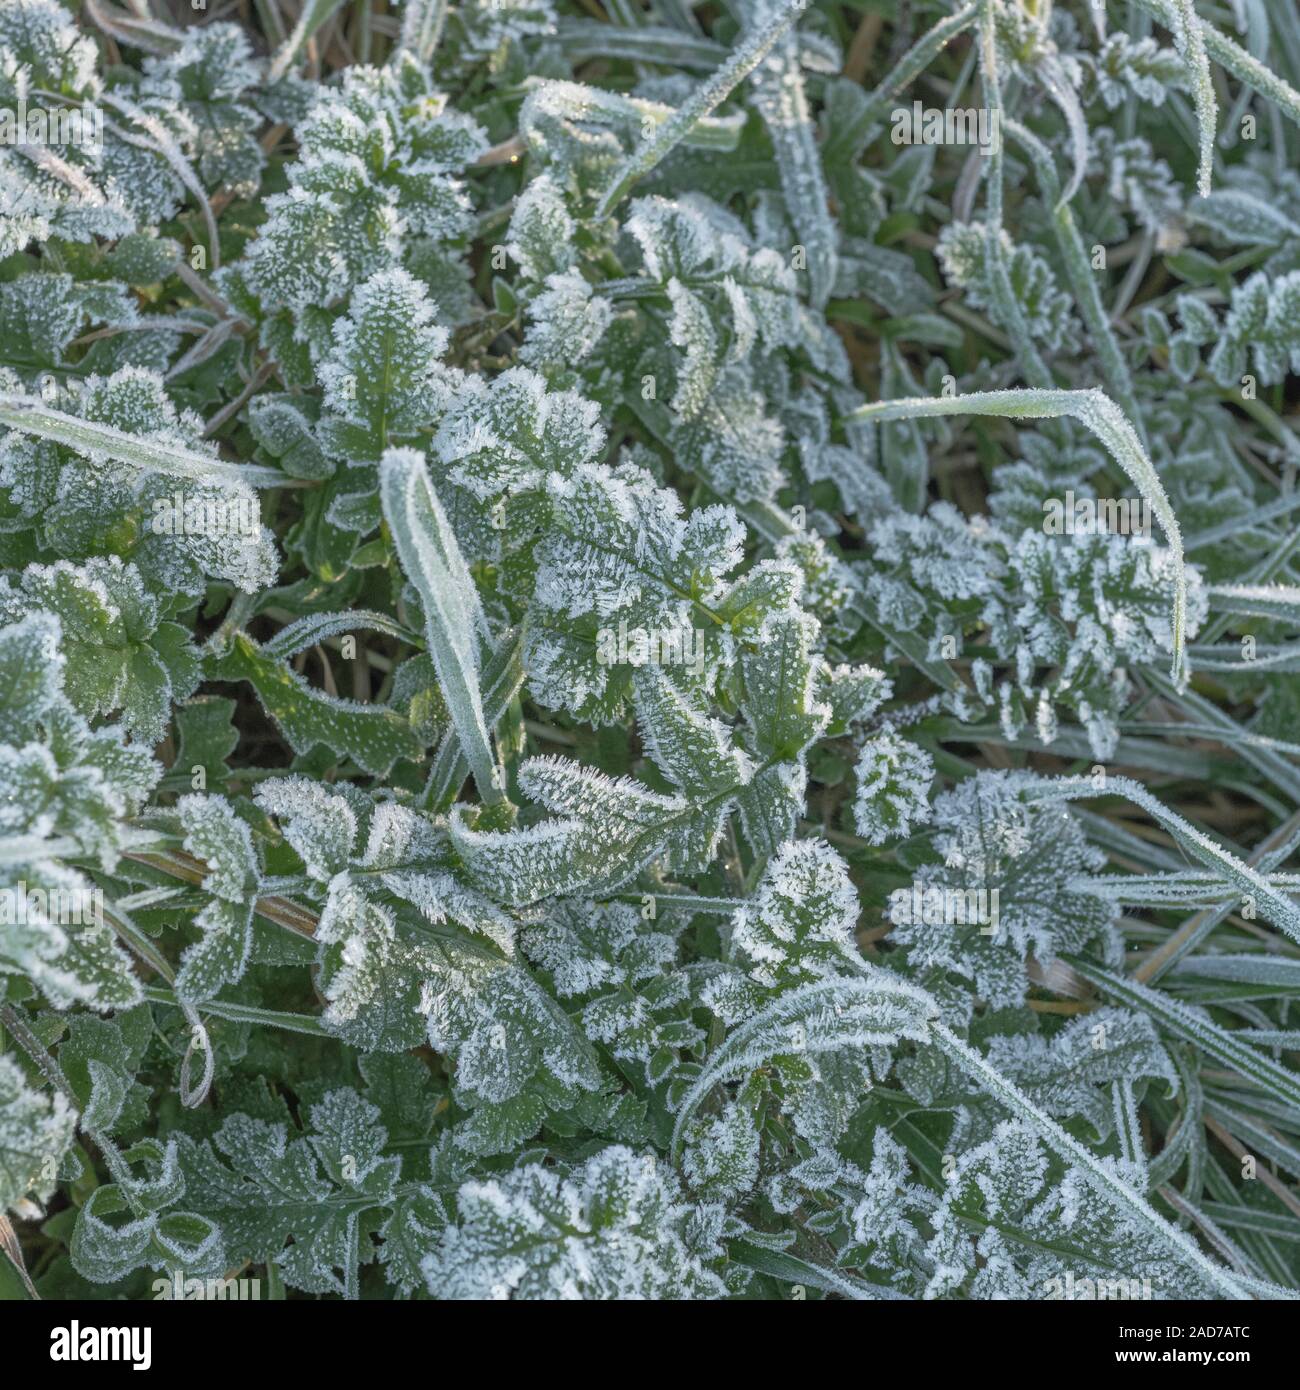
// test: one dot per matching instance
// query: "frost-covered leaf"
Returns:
(35, 1131)
(122, 472)
(216, 835)
(373, 736)
(120, 653)
(618, 1227)
(1259, 331)
(1071, 1074)
(454, 620)
(801, 924)
(894, 777)
(263, 1187)
(988, 837)
(377, 161)
(963, 253)
(382, 379)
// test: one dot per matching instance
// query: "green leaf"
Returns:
(1097, 413)
(372, 736)
(261, 1187)
(1195, 1026)
(35, 1132)
(383, 380)
(455, 625)
(119, 655)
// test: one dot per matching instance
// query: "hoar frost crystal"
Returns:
(637, 664)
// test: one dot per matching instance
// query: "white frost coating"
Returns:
(783, 102)
(800, 927)
(894, 778)
(872, 1009)
(35, 1132)
(1276, 906)
(1099, 414)
(454, 621)
(1191, 44)
(215, 834)
(743, 60)
(613, 1229)
(320, 824)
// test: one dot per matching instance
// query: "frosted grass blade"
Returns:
(454, 620)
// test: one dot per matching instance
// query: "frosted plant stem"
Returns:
(1133, 277)
(161, 141)
(780, 96)
(792, 1270)
(314, 14)
(692, 902)
(1100, 1176)
(227, 412)
(1103, 418)
(1127, 1125)
(191, 1095)
(126, 930)
(1063, 93)
(30, 416)
(1284, 775)
(306, 632)
(915, 61)
(1212, 535)
(422, 24)
(204, 293)
(503, 674)
(1082, 280)
(1229, 55)
(1191, 45)
(1276, 849)
(363, 32)
(21, 849)
(744, 59)
(150, 36)
(1032, 365)
(306, 1024)
(1188, 888)
(1265, 572)
(1276, 906)
(272, 20)
(237, 616)
(283, 913)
